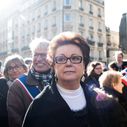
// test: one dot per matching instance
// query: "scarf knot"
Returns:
(45, 78)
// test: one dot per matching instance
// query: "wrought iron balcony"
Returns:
(91, 42)
(81, 8)
(67, 6)
(100, 30)
(100, 44)
(91, 27)
(90, 12)
(81, 24)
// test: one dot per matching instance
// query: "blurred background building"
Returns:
(123, 33)
(47, 18)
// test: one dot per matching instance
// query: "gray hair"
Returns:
(15, 58)
(38, 43)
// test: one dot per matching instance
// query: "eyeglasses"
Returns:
(63, 59)
(10, 68)
(98, 68)
(43, 55)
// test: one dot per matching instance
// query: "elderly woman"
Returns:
(111, 81)
(67, 103)
(26, 87)
(14, 66)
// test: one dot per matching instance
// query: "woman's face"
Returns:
(119, 58)
(14, 70)
(66, 70)
(98, 69)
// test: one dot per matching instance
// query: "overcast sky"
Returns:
(113, 13)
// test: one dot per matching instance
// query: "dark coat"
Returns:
(50, 110)
(3, 99)
(18, 100)
(92, 82)
(121, 98)
(114, 66)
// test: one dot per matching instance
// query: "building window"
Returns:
(100, 38)
(39, 27)
(99, 12)
(81, 20)
(99, 27)
(54, 21)
(45, 24)
(100, 55)
(67, 2)
(54, 6)
(91, 39)
(91, 9)
(46, 10)
(81, 5)
(67, 17)
(90, 23)
(91, 36)
(81, 32)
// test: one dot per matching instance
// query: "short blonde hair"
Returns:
(110, 78)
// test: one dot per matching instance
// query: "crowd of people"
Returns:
(60, 87)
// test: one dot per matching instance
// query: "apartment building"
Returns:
(112, 38)
(47, 18)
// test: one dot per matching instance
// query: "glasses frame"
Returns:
(68, 58)
(16, 67)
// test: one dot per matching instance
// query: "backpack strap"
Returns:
(32, 91)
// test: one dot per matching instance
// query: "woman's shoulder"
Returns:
(98, 97)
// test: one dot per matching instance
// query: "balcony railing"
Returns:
(100, 30)
(3, 53)
(67, 6)
(54, 9)
(99, 15)
(91, 42)
(45, 28)
(81, 8)
(100, 58)
(14, 50)
(25, 48)
(90, 12)
(54, 25)
(108, 43)
(100, 44)
(81, 24)
(91, 27)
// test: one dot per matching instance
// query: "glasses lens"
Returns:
(42, 55)
(63, 59)
(60, 59)
(76, 59)
(10, 68)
